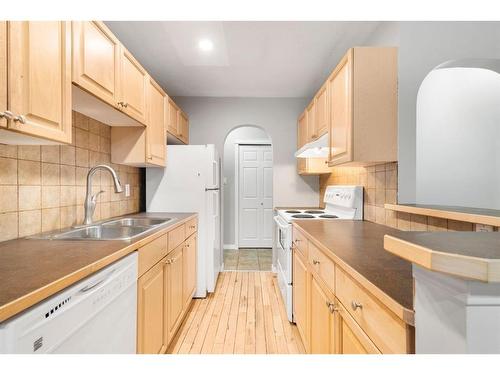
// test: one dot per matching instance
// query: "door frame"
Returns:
(237, 144)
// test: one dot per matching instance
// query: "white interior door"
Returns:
(255, 202)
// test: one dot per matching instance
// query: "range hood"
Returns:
(314, 149)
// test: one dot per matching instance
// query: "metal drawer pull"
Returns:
(7, 115)
(355, 305)
(316, 261)
(20, 119)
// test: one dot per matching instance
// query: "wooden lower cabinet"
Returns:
(300, 298)
(175, 300)
(189, 269)
(322, 320)
(334, 314)
(351, 338)
(164, 292)
(151, 299)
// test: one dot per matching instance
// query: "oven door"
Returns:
(284, 248)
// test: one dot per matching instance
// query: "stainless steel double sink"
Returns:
(116, 229)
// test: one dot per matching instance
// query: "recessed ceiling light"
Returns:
(206, 45)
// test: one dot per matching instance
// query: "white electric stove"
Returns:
(342, 202)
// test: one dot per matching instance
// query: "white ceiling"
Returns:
(249, 59)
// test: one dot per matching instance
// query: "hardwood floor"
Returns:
(245, 315)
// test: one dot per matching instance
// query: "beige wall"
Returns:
(42, 188)
(380, 184)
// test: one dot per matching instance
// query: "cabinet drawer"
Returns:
(386, 330)
(191, 226)
(151, 253)
(322, 265)
(299, 242)
(176, 237)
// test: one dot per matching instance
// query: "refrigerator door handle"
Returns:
(215, 172)
(211, 189)
(215, 208)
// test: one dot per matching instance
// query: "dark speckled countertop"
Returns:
(360, 246)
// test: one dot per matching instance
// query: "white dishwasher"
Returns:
(96, 315)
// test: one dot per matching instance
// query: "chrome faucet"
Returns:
(91, 200)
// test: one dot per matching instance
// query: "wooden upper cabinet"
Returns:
(362, 97)
(3, 73)
(339, 84)
(189, 269)
(322, 111)
(151, 311)
(302, 130)
(183, 127)
(155, 130)
(39, 79)
(96, 60)
(133, 81)
(178, 122)
(322, 320)
(311, 122)
(173, 117)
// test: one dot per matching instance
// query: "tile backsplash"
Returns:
(380, 184)
(43, 188)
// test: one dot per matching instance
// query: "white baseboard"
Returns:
(231, 246)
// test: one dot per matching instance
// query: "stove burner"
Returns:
(314, 212)
(302, 216)
(326, 216)
(292, 212)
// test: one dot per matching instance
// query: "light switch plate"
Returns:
(127, 190)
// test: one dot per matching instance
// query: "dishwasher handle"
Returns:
(86, 288)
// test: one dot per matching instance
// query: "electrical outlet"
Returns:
(127, 190)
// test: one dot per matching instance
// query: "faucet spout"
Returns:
(90, 201)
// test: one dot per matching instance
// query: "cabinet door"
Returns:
(39, 78)
(322, 111)
(174, 294)
(155, 131)
(311, 122)
(96, 60)
(150, 311)
(351, 338)
(321, 320)
(133, 79)
(340, 102)
(3, 72)
(173, 117)
(300, 301)
(189, 269)
(183, 127)
(302, 130)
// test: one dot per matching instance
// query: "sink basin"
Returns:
(102, 232)
(135, 222)
(116, 229)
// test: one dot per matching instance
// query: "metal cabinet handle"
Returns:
(355, 305)
(7, 115)
(125, 104)
(316, 261)
(332, 307)
(168, 261)
(20, 118)
(192, 226)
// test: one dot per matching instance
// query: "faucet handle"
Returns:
(94, 197)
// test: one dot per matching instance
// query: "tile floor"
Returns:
(248, 260)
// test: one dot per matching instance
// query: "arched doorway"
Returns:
(247, 198)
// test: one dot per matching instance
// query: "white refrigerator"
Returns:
(191, 183)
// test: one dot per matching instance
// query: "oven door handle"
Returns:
(280, 224)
